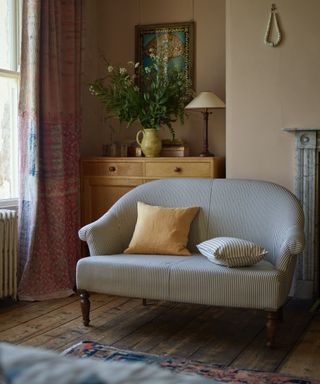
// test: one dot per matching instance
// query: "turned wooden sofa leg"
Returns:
(85, 307)
(272, 323)
(280, 314)
(144, 302)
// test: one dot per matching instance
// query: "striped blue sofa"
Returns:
(262, 212)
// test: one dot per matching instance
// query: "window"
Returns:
(10, 22)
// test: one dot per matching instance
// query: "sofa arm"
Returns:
(292, 244)
(294, 240)
(103, 236)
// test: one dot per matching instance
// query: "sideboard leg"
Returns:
(272, 322)
(85, 307)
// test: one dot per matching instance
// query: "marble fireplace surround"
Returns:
(307, 152)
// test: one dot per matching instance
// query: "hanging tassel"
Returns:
(272, 20)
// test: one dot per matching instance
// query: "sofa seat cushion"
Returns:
(192, 279)
(127, 275)
(197, 280)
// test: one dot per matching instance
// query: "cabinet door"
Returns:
(100, 193)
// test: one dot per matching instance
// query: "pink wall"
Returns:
(270, 88)
(109, 30)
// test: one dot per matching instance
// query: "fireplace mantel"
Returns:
(307, 150)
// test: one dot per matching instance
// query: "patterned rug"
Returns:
(210, 371)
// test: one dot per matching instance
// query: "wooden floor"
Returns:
(231, 337)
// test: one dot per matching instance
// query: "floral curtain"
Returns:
(49, 139)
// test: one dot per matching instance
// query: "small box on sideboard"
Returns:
(175, 151)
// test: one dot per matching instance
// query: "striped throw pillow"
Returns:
(231, 251)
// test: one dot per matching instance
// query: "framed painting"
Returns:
(174, 40)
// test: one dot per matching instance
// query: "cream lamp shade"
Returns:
(206, 100)
(203, 102)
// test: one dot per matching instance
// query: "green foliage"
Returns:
(157, 101)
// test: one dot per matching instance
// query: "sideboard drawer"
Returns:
(105, 179)
(178, 169)
(112, 168)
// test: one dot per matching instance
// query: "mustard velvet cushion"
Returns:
(161, 230)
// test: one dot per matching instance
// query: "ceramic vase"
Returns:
(149, 141)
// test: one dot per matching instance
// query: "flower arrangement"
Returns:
(154, 95)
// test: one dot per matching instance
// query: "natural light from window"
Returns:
(10, 16)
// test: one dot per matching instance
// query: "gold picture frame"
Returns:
(178, 40)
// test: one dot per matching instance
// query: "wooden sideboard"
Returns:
(105, 179)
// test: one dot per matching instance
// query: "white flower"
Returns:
(137, 65)
(92, 91)
(122, 70)
(110, 68)
(136, 88)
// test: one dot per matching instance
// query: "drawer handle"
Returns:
(112, 169)
(177, 169)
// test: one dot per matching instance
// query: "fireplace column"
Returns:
(307, 190)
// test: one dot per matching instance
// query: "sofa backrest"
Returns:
(258, 211)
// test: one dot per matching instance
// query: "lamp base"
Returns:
(206, 154)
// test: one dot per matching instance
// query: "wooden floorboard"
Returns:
(163, 327)
(189, 338)
(230, 333)
(226, 336)
(68, 333)
(296, 319)
(24, 312)
(304, 359)
(45, 321)
(121, 326)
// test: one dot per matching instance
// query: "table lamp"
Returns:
(204, 102)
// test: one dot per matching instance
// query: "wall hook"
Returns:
(272, 21)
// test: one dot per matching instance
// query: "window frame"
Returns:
(14, 73)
